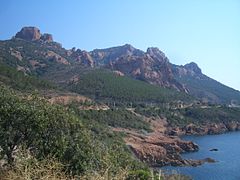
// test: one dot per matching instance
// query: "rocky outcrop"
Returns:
(36, 65)
(47, 37)
(29, 33)
(33, 34)
(81, 57)
(118, 73)
(190, 69)
(103, 57)
(52, 56)
(152, 66)
(159, 148)
(16, 54)
(193, 68)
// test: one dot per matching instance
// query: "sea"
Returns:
(227, 156)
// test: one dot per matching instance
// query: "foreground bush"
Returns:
(50, 131)
(44, 130)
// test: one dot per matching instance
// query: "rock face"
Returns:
(190, 69)
(151, 66)
(47, 37)
(29, 33)
(82, 57)
(52, 56)
(103, 57)
(193, 68)
(158, 148)
(33, 34)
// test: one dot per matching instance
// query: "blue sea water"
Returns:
(227, 166)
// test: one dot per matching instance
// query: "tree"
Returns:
(44, 129)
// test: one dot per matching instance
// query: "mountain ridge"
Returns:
(33, 53)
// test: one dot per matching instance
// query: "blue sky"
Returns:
(204, 31)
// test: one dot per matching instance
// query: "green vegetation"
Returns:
(196, 115)
(51, 131)
(39, 140)
(106, 86)
(210, 89)
(30, 50)
(19, 81)
(116, 118)
(213, 114)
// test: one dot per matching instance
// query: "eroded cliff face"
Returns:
(152, 66)
(160, 150)
(82, 57)
(33, 34)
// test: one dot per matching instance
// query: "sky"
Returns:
(203, 31)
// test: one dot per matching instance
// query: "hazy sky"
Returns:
(204, 31)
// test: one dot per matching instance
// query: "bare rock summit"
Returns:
(33, 34)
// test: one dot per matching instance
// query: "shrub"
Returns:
(45, 130)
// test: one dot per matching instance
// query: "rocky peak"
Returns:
(156, 53)
(47, 37)
(29, 33)
(109, 55)
(33, 34)
(193, 67)
(128, 47)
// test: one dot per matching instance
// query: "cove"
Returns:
(227, 156)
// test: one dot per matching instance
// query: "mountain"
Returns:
(204, 87)
(152, 66)
(39, 55)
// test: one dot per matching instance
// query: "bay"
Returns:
(227, 166)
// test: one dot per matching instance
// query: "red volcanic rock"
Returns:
(152, 66)
(82, 57)
(29, 33)
(47, 37)
(33, 34)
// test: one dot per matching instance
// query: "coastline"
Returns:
(164, 146)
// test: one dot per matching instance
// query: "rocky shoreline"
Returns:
(163, 146)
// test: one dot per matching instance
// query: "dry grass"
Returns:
(26, 167)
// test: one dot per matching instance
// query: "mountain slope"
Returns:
(105, 85)
(9, 76)
(204, 87)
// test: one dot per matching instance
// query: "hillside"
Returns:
(204, 87)
(104, 85)
(19, 81)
